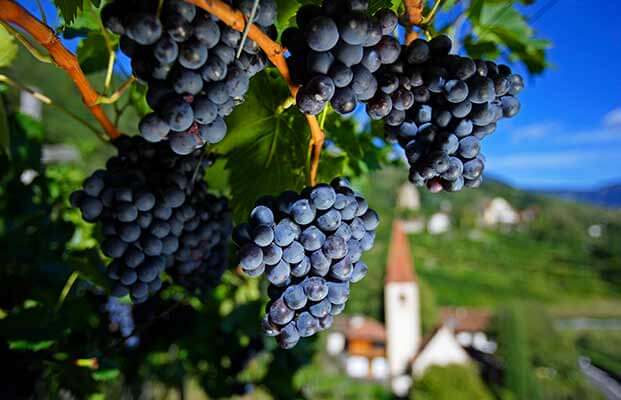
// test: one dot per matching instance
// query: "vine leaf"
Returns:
(69, 9)
(8, 47)
(92, 53)
(498, 26)
(5, 140)
(266, 150)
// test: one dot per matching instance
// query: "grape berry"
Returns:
(439, 107)
(309, 246)
(335, 50)
(155, 216)
(187, 59)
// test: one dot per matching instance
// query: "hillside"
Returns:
(551, 259)
(606, 196)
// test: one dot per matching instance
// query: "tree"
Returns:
(442, 382)
(53, 272)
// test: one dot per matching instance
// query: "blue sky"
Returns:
(568, 133)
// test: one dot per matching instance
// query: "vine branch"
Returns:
(414, 13)
(275, 53)
(14, 13)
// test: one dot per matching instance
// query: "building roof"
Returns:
(361, 328)
(400, 267)
(463, 319)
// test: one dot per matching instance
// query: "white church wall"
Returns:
(402, 312)
(443, 349)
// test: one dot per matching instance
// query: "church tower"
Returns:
(402, 309)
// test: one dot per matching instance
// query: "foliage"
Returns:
(515, 351)
(443, 382)
(539, 361)
(603, 348)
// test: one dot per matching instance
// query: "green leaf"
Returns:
(106, 374)
(375, 5)
(5, 138)
(137, 97)
(266, 150)
(92, 53)
(30, 345)
(69, 9)
(498, 26)
(8, 47)
(85, 22)
(88, 264)
(286, 13)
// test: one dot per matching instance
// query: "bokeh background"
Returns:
(536, 249)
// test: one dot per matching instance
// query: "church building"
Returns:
(396, 352)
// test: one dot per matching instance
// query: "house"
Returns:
(470, 326)
(498, 211)
(438, 223)
(408, 197)
(362, 341)
(396, 352)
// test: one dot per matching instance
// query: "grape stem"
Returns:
(414, 13)
(12, 12)
(276, 54)
(429, 17)
(32, 49)
(114, 97)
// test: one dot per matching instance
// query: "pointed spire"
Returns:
(400, 267)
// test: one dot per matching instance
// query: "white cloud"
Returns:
(554, 132)
(613, 118)
(534, 131)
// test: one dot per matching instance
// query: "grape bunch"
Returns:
(309, 246)
(335, 50)
(454, 102)
(188, 60)
(122, 320)
(154, 215)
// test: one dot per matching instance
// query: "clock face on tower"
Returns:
(403, 298)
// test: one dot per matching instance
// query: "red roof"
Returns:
(400, 267)
(362, 328)
(463, 319)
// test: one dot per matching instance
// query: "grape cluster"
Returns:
(188, 60)
(154, 215)
(454, 102)
(309, 246)
(335, 50)
(122, 320)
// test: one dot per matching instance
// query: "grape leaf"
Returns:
(5, 139)
(69, 9)
(8, 47)
(498, 26)
(92, 53)
(30, 345)
(375, 5)
(88, 264)
(266, 148)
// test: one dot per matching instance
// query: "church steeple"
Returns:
(402, 310)
(400, 267)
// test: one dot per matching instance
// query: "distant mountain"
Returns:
(607, 196)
